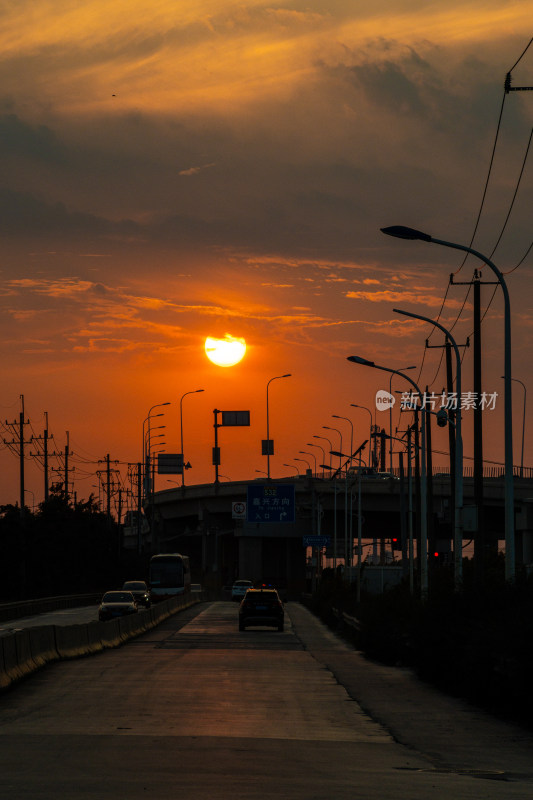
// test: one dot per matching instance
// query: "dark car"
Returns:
(140, 591)
(261, 607)
(116, 604)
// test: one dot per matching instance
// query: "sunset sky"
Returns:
(173, 171)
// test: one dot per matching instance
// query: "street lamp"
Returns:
(292, 466)
(327, 428)
(150, 460)
(423, 486)
(305, 453)
(336, 416)
(403, 369)
(194, 391)
(275, 378)
(147, 419)
(312, 444)
(356, 405)
(458, 522)
(315, 436)
(305, 460)
(523, 425)
(402, 232)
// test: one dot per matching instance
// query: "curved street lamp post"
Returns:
(312, 444)
(327, 428)
(458, 521)
(356, 405)
(305, 453)
(423, 555)
(336, 416)
(403, 369)
(292, 466)
(402, 232)
(325, 438)
(194, 391)
(268, 446)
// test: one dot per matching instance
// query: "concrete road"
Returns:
(196, 709)
(62, 616)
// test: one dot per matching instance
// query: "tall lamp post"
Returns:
(268, 446)
(312, 444)
(402, 232)
(423, 487)
(305, 453)
(194, 391)
(292, 466)
(327, 428)
(356, 405)
(147, 419)
(305, 461)
(336, 416)
(325, 438)
(523, 424)
(458, 522)
(403, 369)
(145, 465)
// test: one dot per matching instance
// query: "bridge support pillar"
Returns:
(250, 557)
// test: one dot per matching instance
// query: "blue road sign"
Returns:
(270, 503)
(316, 541)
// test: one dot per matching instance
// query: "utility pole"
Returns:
(66, 493)
(508, 88)
(451, 414)
(139, 507)
(19, 443)
(108, 485)
(45, 455)
(429, 483)
(481, 545)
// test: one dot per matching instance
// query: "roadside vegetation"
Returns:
(476, 643)
(60, 548)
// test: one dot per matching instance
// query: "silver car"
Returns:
(239, 589)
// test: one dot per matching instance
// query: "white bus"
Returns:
(170, 574)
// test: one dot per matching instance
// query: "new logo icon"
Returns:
(384, 400)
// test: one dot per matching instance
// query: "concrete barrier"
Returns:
(72, 640)
(12, 671)
(4, 679)
(24, 651)
(43, 645)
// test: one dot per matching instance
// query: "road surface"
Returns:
(195, 708)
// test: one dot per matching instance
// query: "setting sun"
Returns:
(225, 352)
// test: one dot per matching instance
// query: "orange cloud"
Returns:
(388, 296)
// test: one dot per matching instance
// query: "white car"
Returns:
(239, 589)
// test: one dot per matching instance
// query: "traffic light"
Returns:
(396, 543)
(442, 418)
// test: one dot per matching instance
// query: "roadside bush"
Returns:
(477, 643)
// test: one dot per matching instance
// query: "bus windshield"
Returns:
(166, 573)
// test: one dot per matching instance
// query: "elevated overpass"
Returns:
(206, 521)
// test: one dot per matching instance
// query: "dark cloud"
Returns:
(39, 142)
(387, 84)
(25, 214)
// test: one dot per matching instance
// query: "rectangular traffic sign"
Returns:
(169, 463)
(270, 502)
(235, 418)
(316, 541)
